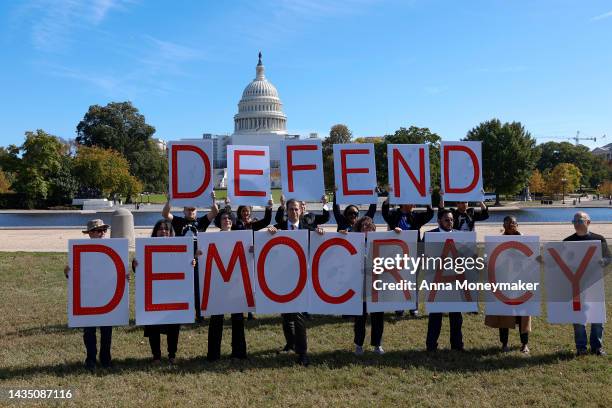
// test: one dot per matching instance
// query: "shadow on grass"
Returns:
(476, 360)
(314, 321)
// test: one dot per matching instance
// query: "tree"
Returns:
(412, 135)
(5, 184)
(593, 169)
(106, 170)
(43, 171)
(536, 182)
(605, 188)
(338, 134)
(120, 127)
(555, 183)
(508, 155)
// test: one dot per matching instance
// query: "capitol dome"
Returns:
(260, 109)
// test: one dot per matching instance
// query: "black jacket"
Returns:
(415, 219)
(255, 225)
(341, 220)
(470, 217)
(311, 219)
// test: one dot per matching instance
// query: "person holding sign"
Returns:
(504, 323)
(96, 229)
(405, 219)
(464, 216)
(224, 221)
(244, 220)
(314, 220)
(294, 327)
(346, 219)
(581, 222)
(434, 324)
(190, 224)
(366, 224)
(162, 229)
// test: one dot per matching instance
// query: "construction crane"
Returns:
(576, 138)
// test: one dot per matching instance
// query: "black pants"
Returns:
(215, 334)
(89, 338)
(154, 334)
(434, 326)
(377, 320)
(503, 336)
(294, 329)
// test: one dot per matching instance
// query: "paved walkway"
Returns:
(56, 240)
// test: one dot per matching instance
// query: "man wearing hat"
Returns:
(96, 229)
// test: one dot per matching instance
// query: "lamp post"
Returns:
(563, 181)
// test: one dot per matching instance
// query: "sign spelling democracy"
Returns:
(297, 271)
(301, 165)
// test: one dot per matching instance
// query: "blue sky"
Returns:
(372, 65)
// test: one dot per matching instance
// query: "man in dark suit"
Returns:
(310, 219)
(294, 326)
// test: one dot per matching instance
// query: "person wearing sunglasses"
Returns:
(346, 220)
(582, 222)
(505, 323)
(96, 229)
(464, 216)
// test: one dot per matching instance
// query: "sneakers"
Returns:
(505, 348)
(600, 352)
(414, 312)
(288, 348)
(358, 350)
(524, 349)
(581, 352)
(90, 365)
(379, 350)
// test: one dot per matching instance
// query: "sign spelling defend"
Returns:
(461, 171)
(355, 173)
(190, 166)
(301, 164)
(248, 175)
(408, 166)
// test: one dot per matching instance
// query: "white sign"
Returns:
(574, 282)
(389, 291)
(512, 260)
(301, 164)
(355, 173)
(164, 281)
(337, 262)
(248, 174)
(226, 272)
(281, 271)
(449, 247)
(408, 166)
(191, 178)
(461, 171)
(98, 284)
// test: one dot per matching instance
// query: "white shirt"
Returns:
(291, 226)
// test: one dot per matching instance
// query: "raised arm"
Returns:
(483, 214)
(257, 225)
(214, 208)
(166, 211)
(324, 217)
(337, 214)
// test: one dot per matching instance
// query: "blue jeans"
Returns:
(580, 336)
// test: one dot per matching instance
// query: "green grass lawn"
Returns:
(37, 350)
